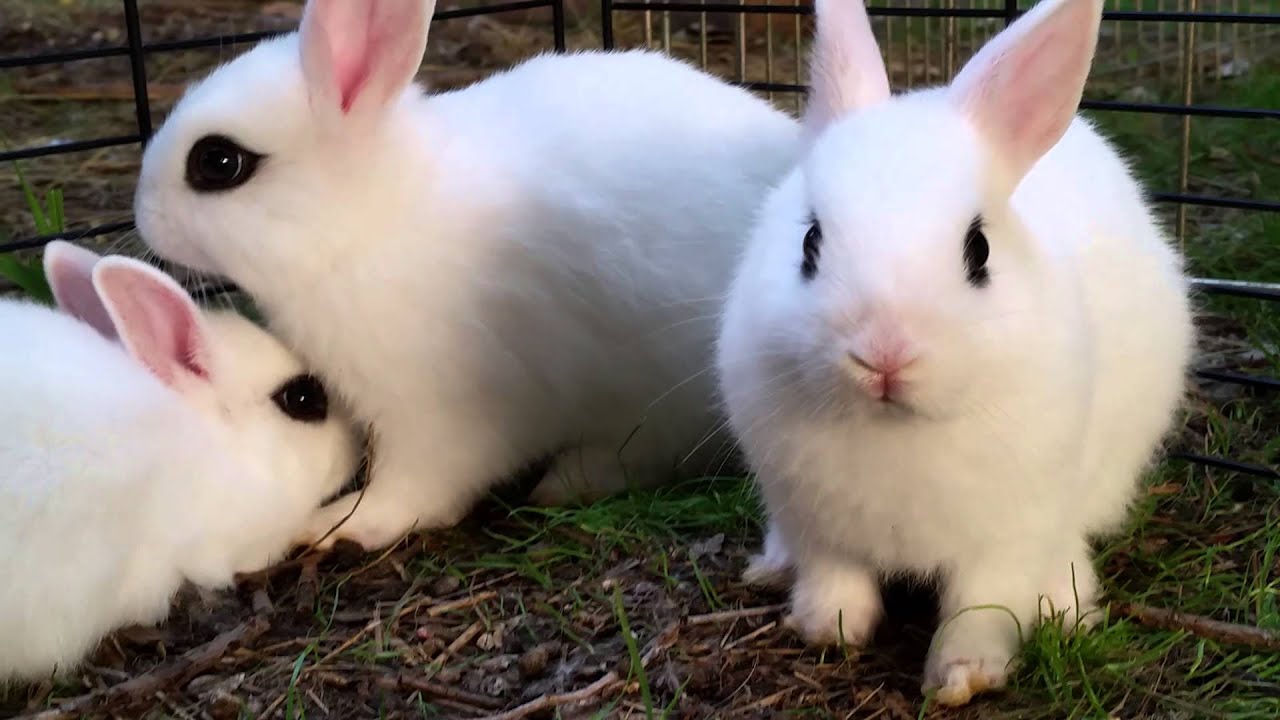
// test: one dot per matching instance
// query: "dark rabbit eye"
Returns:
(812, 250)
(219, 163)
(976, 252)
(303, 398)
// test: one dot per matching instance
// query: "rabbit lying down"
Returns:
(955, 341)
(144, 444)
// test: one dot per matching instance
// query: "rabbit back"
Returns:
(83, 527)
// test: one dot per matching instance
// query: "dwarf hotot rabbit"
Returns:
(530, 265)
(144, 444)
(955, 341)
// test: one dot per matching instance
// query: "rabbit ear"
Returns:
(846, 70)
(158, 322)
(358, 55)
(1022, 90)
(69, 269)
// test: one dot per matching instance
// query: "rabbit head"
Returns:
(283, 155)
(890, 262)
(253, 392)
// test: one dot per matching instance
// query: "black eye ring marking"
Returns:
(217, 163)
(303, 398)
(976, 252)
(812, 250)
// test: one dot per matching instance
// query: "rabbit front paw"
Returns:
(833, 605)
(957, 675)
(772, 568)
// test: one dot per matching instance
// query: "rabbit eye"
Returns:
(812, 250)
(303, 399)
(219, 163)
(976, 252)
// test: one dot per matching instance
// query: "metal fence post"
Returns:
(1010, 11)
(606, 23)
(138, 67)
(557, 21)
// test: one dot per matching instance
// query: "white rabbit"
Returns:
(956, 339)
(530, 265)
(192, 448)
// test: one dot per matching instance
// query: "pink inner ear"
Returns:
(69, 270)
(351, 61)
(158, 322)
(364, 51)
(847, 71)
(1024, 87)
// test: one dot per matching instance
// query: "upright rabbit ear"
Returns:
(846, 70)
(1023, 88)
(358, 55)
(69, 269)
(159, 324)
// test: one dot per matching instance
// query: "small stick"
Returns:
(462, 604)
(188, 665)
(549, 702)
(1198, 625)
(660, 644)
(308, 581)
(727, 615)
(460, 642)
(764, 702)
(403, 681)
(607, 682)
(753, 634)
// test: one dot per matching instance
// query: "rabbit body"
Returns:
(118, 487)
(1063, 441)
(529, 265)
(911, 405)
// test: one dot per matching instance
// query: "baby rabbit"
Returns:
(955, 341)
(143, 444)
(532, 265)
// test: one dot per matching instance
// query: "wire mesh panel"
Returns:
(1188, 88)
(77, 115)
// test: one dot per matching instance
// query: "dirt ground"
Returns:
(623, 609)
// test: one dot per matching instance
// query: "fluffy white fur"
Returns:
(118, 487)
(532, 264)
(1030, 406)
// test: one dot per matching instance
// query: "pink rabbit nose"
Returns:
(883, 372)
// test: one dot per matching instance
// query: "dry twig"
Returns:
(1198, 625)
(607, 682)
(308, 581)
(404, 681)
(143, 687)
(727, 615)
(462, 604)
(549, 702)
(463, 639)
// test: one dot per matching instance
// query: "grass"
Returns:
(47, 215)
(521, 602)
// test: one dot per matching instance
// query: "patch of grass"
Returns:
(47, 213)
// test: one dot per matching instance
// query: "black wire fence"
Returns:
(1179, 43)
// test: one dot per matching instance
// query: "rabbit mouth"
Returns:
(891, 406)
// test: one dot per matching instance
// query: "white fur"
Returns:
(117, 488)
(1032, 407)
(532, 264)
